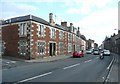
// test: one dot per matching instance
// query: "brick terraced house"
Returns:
(30, 37)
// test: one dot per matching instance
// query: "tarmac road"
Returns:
(86, 69)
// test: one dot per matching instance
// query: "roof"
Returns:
(37, 19)
(25, 18)
(83, 37)
(61, 27)
(33, 18)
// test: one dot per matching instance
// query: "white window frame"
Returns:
(69, 37)
(23, 29)
(69, 47)
(61, 35)
(53, 33)
(41, 30)
(41, 47)
(22, 44)
(61, 47)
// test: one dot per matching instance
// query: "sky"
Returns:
(96, 18)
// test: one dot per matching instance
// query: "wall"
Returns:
(11, 38)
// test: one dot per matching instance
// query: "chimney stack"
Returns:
(71, 24)
(64, 24)
(51, 21)
(71, 27)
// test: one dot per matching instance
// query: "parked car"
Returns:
(96, 52)
(88, 51)
(75, 54)
(106, 53)
(78, 54)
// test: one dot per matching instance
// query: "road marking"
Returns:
(87, 61)
(110, 63)
(72, 66)
(13, 61)
(34, 77)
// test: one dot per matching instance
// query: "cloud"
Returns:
(86, 7)
(12, 9)
(99, 24)
(73, 11)
(50, 1)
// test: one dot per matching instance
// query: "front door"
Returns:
(52, 49)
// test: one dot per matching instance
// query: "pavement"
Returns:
(11, 62)
(49, 59)
(112, 75)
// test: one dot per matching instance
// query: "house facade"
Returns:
(31, 37)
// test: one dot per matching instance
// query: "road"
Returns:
(86, 69)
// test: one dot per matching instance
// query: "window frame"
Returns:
(53, 33)
(41, 47)
(61, 47)
(41, 30)
(23, 29)
(22, 47)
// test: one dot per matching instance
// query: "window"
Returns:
(41, 48)
(61, 35)
(41, 30)
(53, 33)
(61, 47)
(69, 47)
(2, 47)
(23, 29)
(69, 37)
(22, 47)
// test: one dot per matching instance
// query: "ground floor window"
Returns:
(41, 48)
(2, 47)
(69, 47)
(61, 47)
(78, 48)
(22, 47)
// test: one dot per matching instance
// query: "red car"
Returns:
(78, 54)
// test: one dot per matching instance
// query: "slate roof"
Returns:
(25, 18)
(37, 19)
(32, 18)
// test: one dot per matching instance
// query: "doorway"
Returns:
(73, 48)
(52, 49)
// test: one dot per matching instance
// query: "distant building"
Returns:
(31, 37)
(90, 44)
(95, 46)
(112, 43)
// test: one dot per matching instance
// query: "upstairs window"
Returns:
(69, 37)
(23, 29)
(41, 30)
(61, 35)
(53, 33)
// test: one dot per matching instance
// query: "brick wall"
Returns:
(11, 38)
